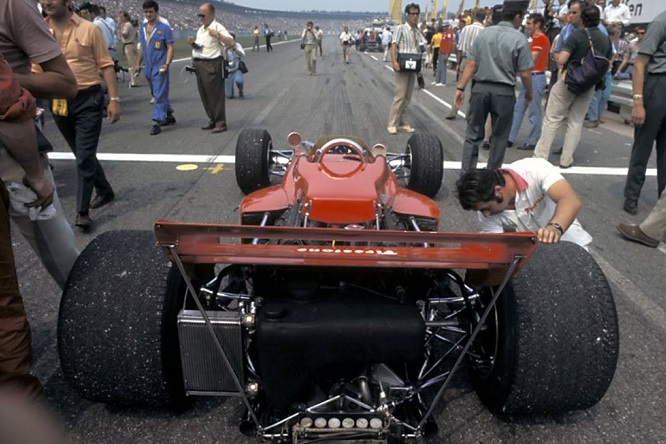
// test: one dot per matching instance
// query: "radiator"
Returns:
(204, 370)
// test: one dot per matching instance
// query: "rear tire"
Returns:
(252, 159)
(426, 164)
(558, 340)
(117, 332)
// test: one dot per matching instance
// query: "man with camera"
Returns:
(406, 41)
(346, 41)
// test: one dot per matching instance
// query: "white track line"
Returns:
(202, 158)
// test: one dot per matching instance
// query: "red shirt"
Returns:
(447, 43)
(540, 44)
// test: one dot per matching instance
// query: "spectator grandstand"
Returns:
(240, 19)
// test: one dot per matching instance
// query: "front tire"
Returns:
(426, 164)
(253, 150)
(556, 335)
(117, 332)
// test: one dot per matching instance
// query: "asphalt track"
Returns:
(187, 174)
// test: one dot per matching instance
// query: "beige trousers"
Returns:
(562, 107)
(404, 86)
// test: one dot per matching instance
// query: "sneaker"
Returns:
(439, 84)
(392, 130)
(421, 82)
(155, 130)
(435, 83)
(406, 129)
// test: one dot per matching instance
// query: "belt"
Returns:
(199, 59)
(538, 73)
(90, 89)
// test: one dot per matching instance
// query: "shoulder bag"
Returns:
(242, 67)
(581, 76)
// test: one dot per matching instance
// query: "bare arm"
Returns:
(561, 58)
(526, 78)
(394, 57)
(113, 110)
(56, 80)
(567, 206)
(20, 140)
(462, 83)
(638, 111)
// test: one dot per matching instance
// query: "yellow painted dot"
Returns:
(187, 167)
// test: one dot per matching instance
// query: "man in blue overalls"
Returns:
(156, 51)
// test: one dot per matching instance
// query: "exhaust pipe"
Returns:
(247, 426)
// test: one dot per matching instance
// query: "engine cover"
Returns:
(298, 341)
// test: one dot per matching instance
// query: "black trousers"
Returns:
(498, 101)
(654, 129)
(81, 129)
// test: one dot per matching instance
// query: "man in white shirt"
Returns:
(528, 195)
(387, 39)
(617, 12)
(208, 50)
(346, 41)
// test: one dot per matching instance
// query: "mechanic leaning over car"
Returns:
(528, 195)
(498, 55)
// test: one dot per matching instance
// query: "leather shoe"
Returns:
(219, 130)
(155, 130)
(210, 126)
(101, 200)
(634, 233)
(564, 167)
(630, 206)
(509, 144)
(526, 147)
(83, 221)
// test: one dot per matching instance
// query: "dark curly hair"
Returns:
(478, 186)
(412, 6)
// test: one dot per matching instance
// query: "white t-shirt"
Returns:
(534, 208)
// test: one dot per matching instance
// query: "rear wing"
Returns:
(487, 257)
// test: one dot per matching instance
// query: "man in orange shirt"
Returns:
(80, 119)
(445, 47)
(540, 49)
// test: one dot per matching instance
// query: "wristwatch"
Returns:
(558, 226)
(115, 99)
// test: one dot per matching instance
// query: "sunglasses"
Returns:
(201, 15)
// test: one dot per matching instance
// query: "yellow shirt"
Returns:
(85, 50)
(436, 40)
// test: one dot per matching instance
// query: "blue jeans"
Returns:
(440, 74)
(536, 110)
(234, 77)
(599, 100)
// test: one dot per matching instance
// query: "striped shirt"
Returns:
(408, 39)
(467, 36)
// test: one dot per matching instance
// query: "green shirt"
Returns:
(654, 45)
(578, 44)
(500, 52)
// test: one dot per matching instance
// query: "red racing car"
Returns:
(335, 310)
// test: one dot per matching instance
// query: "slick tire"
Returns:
(426, 164)
(557, 336)
(253, 150)
(117, 332)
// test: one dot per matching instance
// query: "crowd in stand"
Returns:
(180, 17)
